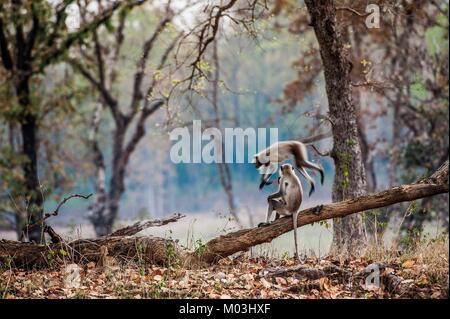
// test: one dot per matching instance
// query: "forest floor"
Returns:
(420, 273)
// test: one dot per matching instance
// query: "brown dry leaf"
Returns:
(247, 277)
(158, 271)
(265, 283)
(91, 265)
(388, 271)
(324, 283)
(423, 280)
(436, 294)
(370, 287)
(408, 264)
(314, 293)
(281, 281)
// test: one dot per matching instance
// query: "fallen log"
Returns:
(304, 271)
(124, 248)
(242, 240)
(144, 224)
(163, 251)
(391, 282)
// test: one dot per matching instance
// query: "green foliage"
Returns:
(158, 289)
(350, 142)
(437, 36)
(325, 224)
(200, 247)
(418, 90)
(171, 255)
(344, 166)
(140, 251)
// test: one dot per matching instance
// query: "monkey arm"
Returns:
(265, 180)
(274, 205)
(275, 195)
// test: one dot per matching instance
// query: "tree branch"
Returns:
(139, 75)
(107, 97)
(163, 60)
(31, 38)
(317, 137)
(60, 19)
(351, 10)
(72, 38)
(143, 224)
(6, 56)
(55, 212)
(140, 128)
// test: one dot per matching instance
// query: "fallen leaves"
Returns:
(408, 264)
(243, 278)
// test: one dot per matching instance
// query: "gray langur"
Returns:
(287, 200)
(266, 161)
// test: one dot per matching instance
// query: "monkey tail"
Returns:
(294, 217)
(302, 171)
(313, 188)
(322, 176)
(318, 151)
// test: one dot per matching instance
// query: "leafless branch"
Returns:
(55, 212)
(141, 225)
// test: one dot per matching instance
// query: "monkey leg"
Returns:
(265, 180)
(274, 204)
(294, 222)
(309, 179)
(312, 166)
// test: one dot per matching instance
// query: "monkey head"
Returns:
(260, 164)
(286, 169)
(256, 162)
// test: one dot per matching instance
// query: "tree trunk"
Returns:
(29, 131)
(105, 222)
(349, 179)
(98, 208)
(226, 178)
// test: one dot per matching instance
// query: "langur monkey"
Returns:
(287, 200)
(266, 161)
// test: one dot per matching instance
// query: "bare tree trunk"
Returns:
(97, 209)
(20, 218)
(224, 171)
(369, 167)
(117, 182)
(350, 176)
(29, 130)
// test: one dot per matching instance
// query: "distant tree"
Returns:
(225, 174)
(101, 64)
(33, 36)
